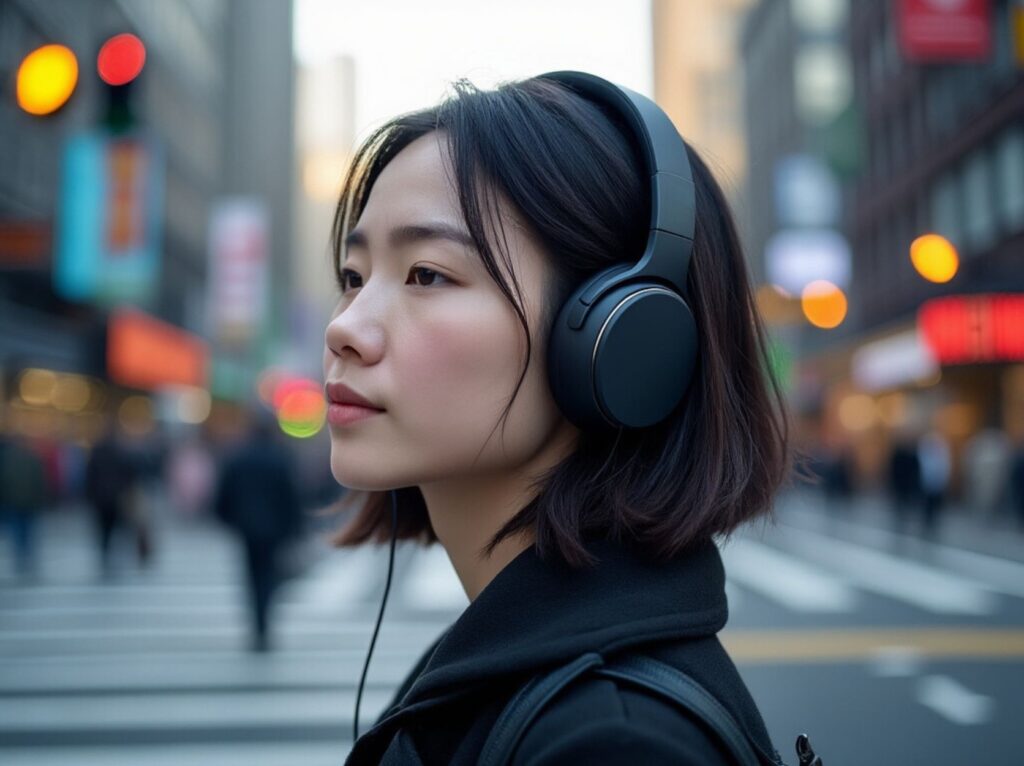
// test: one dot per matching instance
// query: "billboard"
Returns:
(110, 211)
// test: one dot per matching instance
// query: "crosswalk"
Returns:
(151, 668)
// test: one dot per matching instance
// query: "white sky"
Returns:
(406, 52)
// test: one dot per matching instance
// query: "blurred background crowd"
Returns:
(168, 173)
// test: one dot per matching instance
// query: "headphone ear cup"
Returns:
(630, 362)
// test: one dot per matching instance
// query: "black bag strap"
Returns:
(526, 704)
(642, 671)
(678, 687)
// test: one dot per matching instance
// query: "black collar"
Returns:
(536, 614)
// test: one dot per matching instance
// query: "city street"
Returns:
(884, 649)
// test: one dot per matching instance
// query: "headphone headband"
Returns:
(667, 164)
(624, 345)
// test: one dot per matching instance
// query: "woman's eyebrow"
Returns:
(408, 234)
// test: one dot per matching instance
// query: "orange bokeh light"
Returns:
(46, 79)
(823, 304)
(934, 257)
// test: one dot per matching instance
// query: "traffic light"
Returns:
(121, 59)
(119, 62)
(46, 79)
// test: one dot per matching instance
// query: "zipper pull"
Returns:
(805, 752)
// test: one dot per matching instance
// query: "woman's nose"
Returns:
(358, 329)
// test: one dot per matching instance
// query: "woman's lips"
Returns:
(345, 414)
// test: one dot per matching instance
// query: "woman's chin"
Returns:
(360, 480)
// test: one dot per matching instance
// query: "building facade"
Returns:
(216, 94)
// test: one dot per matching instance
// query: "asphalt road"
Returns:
(884, 648)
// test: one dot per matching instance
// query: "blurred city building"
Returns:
(886, 159)
(697, 80)
(200, 144)
(325, 139)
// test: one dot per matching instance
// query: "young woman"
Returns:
(461, 232)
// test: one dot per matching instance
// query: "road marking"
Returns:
(195, 754)
(204, 711)
(917, 584)
(821, 646)
(341, 580)
(783, 579)
(954, 701)
(1003, 575)
(895, 662)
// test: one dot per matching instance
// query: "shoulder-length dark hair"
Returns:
(565, 165)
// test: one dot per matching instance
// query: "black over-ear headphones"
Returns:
(624, 345)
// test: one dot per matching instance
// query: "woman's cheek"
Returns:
(460, 368)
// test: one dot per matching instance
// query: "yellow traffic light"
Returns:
(934, 257)
(46, 79)
(824, 304)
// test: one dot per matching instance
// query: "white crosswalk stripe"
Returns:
(151, 668)
(914, 583)
(783, 579)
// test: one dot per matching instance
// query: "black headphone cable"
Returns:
(380, 616)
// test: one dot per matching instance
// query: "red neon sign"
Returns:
(945, 30)
(974, 328)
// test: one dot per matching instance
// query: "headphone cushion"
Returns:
(631, 361)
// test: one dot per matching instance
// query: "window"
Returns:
(980, 224)
(945, 209)
(1009, 171)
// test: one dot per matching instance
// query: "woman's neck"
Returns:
(465, 516)
(467, 512)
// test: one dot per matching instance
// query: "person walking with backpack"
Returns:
(111, 491)
(546, 357)
(257, 497)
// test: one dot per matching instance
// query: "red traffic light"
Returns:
(121, 59)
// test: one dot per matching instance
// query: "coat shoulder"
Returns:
(599, 721)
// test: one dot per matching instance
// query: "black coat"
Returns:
(535, 616)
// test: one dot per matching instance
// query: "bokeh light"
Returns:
(46, 79)
(857, 412)
(823, 304)
(121, 59)
(934, 257)
(302, 412)
(36, 386)
(71, 394)
(136, 415)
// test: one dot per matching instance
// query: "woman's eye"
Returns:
(345, 275)
(423, 277)
(431, 275)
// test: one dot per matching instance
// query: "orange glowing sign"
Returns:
(144, 352)
(974, 328)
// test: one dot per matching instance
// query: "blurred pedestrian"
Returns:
(24, 492)
(936, 465)
(1017, 482)
(191, 474)
(986, 465)
(258, 498)
(904, 481)
(112, 492)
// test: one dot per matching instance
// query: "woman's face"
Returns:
(423, 332)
